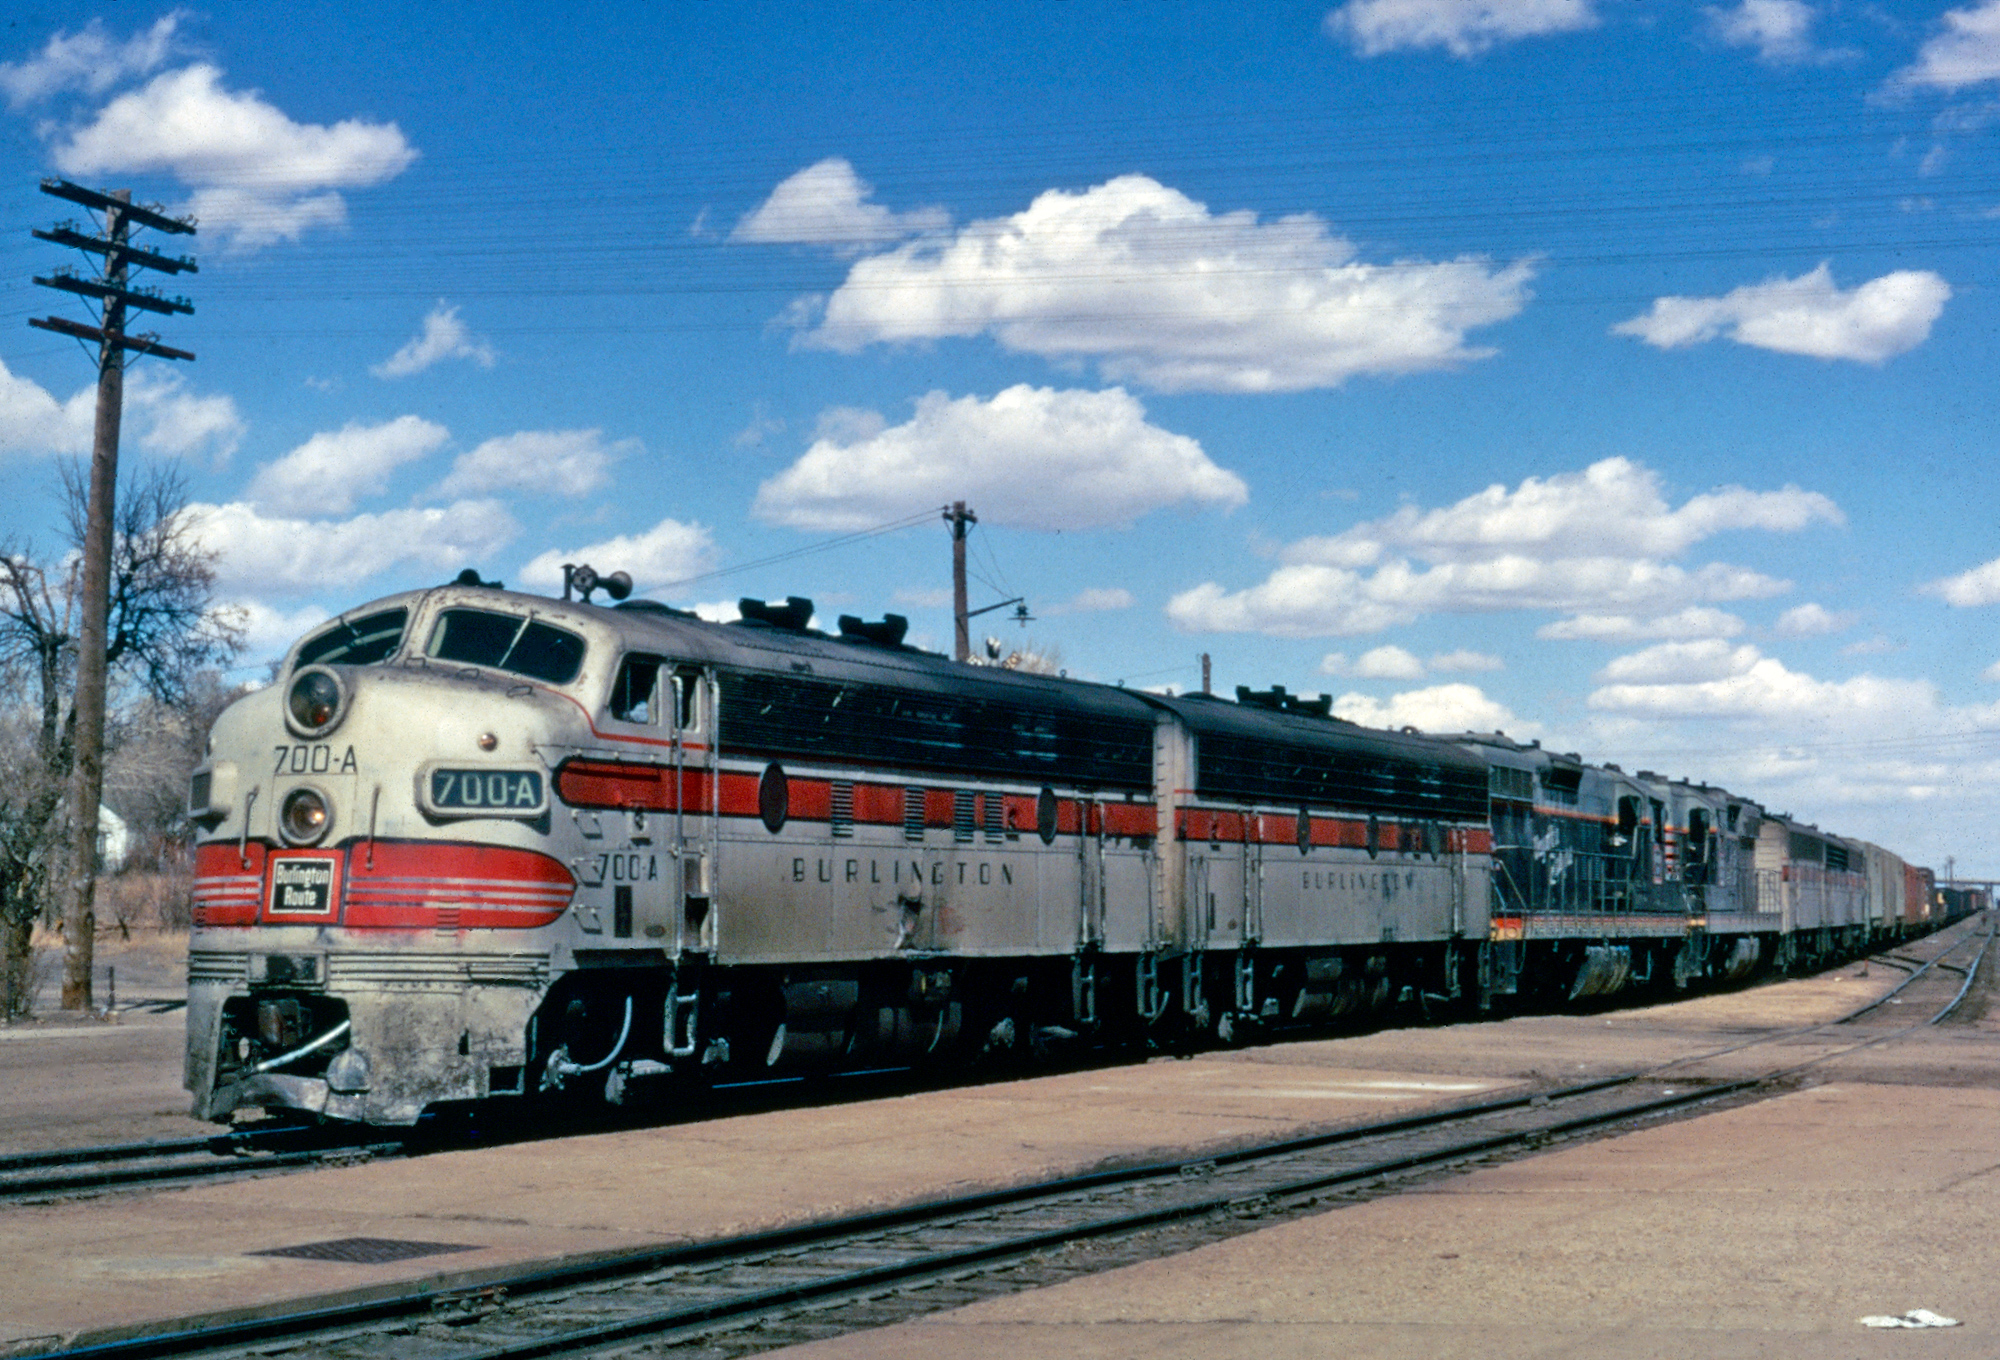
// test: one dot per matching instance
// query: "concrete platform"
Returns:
(109, 1267)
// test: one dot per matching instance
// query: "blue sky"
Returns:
(1613, 372)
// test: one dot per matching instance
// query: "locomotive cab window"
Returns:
(634, 694)
(365, 641)
(688, 705)
(1628, 824)
(507, 642)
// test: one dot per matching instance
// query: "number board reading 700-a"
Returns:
(492, 790)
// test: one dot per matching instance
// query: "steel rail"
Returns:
(229, 1154)
(1972, 970)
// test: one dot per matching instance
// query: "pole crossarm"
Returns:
(1018, 599)
(143, 298)
(148, 259)
(143, 344)
(137, 215)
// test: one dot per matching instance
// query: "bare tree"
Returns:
(164, 631)
(33, 775)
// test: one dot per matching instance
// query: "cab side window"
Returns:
(688, 701)
(634, 693)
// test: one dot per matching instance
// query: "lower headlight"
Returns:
(305, 817)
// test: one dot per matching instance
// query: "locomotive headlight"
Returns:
(305, 816)
(314, 705)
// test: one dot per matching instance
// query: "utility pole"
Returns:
(1205, 687)
(960, 519)
(110, 289)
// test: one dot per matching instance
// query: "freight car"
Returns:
(474, 844)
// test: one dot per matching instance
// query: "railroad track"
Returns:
(741, 1295)
(59, 1173)
(30, 1176)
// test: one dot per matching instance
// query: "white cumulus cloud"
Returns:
(1812, 620)
(1163, 292)
(1383, 663)
(34, 421)
(1742, 684)
(1464, 28)
(1807, 315)
(1780, 30)
(329, 472)
(1966, 52)
(670, 551)
(257, 176)
(1030, 456)
(556, 462)
(1970, 589)
(87, 60)
(1597, 542)
(443, 337)
(1682, 663)
(161, 416)
(827, 204)
(260, 554)
(1440, 708)
(179, 423)
(1696, 621)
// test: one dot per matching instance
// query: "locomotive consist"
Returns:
(474, 844)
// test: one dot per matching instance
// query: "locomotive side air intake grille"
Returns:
(842, 815)
(436, 969)
(962, 824)
(217, 965)
(913, 814)
(996, 817)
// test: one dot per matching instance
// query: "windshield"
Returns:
(365, 641)
(507, 642)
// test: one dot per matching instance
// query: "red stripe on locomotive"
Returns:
(392, 885)
(416, 885)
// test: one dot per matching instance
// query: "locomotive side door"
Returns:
(631, 860)
(655, 856)
(694, 695)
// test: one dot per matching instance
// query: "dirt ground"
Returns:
(67, 1078)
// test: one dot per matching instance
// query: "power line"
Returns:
(893, 526)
